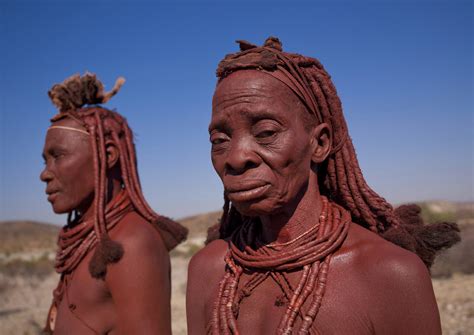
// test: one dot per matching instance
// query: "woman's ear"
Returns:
(113, 154)
(322, 142)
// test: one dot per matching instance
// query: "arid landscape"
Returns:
(27, 277)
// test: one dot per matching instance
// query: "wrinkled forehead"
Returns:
(249, 86)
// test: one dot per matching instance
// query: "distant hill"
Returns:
(24, 236)
(28, 236)
(435, 211)
(198, 224)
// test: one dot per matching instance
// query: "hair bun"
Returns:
(76, 92)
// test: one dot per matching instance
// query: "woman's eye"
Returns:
(57, 155)
(265, 133)
(217, 139)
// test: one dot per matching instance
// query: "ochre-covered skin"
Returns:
(267, 157)
(134, 295)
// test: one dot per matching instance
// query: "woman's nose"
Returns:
(46, 175)
(241, 157)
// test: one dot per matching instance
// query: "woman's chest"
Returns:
(271, 307)
(86, 306)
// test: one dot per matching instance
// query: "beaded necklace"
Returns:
(310, 253)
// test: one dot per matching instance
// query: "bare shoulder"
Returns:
(394, 281)
(139, 282)
(143, 250)
(205, 271)
(210, 258)
(383, 260)
(138, 236)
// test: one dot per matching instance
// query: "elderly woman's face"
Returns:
(261, 149)
(69, 168)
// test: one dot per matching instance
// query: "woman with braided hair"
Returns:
(113, 253)
(303, 243)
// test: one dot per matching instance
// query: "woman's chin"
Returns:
(255, 209)
(58, 209)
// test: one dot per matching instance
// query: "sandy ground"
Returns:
(455, 298)
(24, 302)
(178, 301)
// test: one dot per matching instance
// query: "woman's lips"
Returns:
(247, 193)
(52, 196)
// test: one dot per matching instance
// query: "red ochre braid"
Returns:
(310, 252)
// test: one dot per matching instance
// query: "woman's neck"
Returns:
(87, 211)
(299, 218)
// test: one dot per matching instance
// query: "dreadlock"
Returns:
(340, 176)
(105, 125)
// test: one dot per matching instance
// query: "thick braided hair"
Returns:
(340, 177)
(78, 97)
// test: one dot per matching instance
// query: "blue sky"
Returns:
(403, 70)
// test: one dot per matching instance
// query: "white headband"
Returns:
(69, 128)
